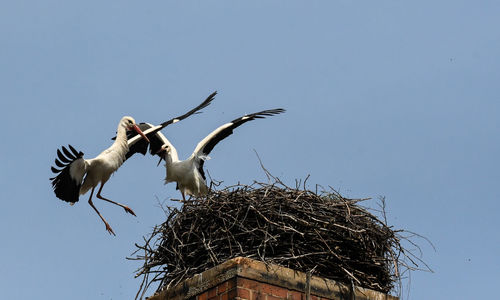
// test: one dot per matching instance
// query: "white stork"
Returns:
(189, 173)
(70, 183)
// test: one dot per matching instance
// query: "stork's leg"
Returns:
(108, 228)
(127, 209)
(183, 196)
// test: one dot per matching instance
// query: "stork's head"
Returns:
(163, 152)
(129, 124)
(166, 148)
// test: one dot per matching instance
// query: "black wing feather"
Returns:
(68, 154)
(59, 164)
(75, 152)
(195, 110)
(236, 123)
(54, 170)
(229, 130)
(64, 186)
(62, 157)
(155, 144)
(142, 145)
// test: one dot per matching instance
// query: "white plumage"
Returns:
(78, 175)
(189, 173)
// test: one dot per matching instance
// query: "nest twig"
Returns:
(291, 227)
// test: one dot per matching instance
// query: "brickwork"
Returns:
(246, 289)
(224, 291)
(247, 279)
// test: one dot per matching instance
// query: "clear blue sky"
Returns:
(392, 98)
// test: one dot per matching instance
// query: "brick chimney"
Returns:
(247, 279)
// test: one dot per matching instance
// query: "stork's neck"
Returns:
(120, 143)
(171, 156)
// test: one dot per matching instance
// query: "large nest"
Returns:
(300, 229)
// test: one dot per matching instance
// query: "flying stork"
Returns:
(79, 175)
(189, 173)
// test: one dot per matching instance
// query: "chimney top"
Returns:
(245, 278)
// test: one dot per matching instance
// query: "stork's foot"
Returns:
(108, 228)
(127, 209)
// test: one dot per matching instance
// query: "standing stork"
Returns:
(79, 175)
(189, 173)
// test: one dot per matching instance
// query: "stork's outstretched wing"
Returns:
(195, 110)
(208, 143)
(67, 183)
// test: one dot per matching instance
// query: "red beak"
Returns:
(139, 131)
